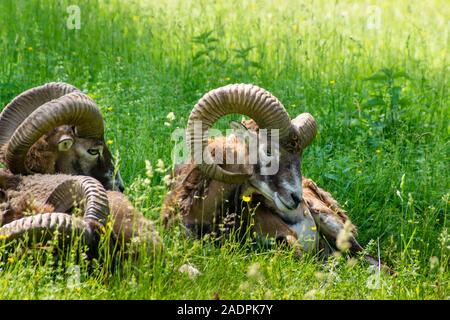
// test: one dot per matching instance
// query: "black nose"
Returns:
(117, 186)
(119, 182)
(120, 187)
(296, 199)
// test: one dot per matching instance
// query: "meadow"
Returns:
(373, 73)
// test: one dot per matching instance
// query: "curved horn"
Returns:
(43, 226)
(307, 128)
(79, 189)
(63, 197)
(245, 99)
(75, 109)
(24, 104)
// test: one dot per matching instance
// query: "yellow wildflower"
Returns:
(247, 198)
(10, 259)
(170, 116)
(30, 49)
(109, 142)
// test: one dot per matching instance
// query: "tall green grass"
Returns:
(374, 75)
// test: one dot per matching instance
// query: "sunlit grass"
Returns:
(374, 75)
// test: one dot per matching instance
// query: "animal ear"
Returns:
(243, 129)
(65, 143)
(237, 125)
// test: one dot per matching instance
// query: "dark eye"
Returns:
(94, 152)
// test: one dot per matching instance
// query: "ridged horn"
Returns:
(81, 191)
(307, 128)
(24, 104)
(75, 109)
(69, 193)
(43, 227)
(245, 99)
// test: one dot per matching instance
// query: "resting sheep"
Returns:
(55, 128)
(39, 205)
(206, 194)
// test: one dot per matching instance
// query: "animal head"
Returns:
(282, 186)
(55, 128)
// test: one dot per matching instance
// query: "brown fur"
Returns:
(268, 224)
(24, 195)
(196, 197)
(8, 180)
(42, 157)
(24, 207)
(130, 226)
(321, 201)
(198, 200)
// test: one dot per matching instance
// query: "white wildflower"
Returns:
(254, 271)
(160, 167)
(149, 169)
(190, 270)
(167, 179)
(345, 234)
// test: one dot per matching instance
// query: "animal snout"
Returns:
(118, 183)
(296, 198)
(120, 187)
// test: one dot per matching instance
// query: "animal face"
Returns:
(80, 156)
(283, 188)
(276, 175)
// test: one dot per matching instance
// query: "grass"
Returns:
(374, 75)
